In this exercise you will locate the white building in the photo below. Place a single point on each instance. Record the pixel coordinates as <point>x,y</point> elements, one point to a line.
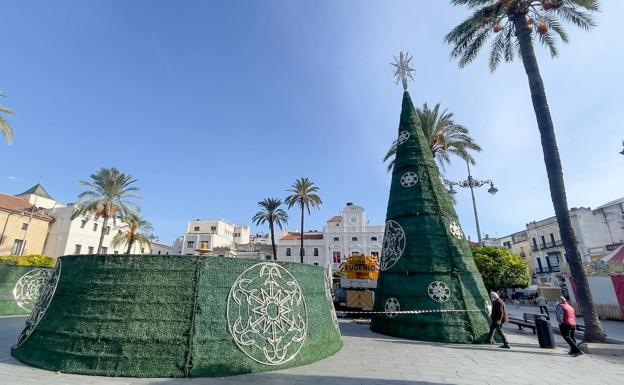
<point>160,249</point>
<point>82,235</point>
<point>350,234</point>
<point>288,246</point>
<point>343,235</point>
<point>205,235</point>
<point>597,231</point>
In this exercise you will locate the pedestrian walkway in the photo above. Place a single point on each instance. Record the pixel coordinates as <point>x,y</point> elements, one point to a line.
<point>372,359</point>
<point>614,329</point>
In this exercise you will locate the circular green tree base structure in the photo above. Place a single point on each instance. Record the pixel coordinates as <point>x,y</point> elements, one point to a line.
<point>179,316</point>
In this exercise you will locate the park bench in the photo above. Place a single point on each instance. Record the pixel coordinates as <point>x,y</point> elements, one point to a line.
<point>527,321</point>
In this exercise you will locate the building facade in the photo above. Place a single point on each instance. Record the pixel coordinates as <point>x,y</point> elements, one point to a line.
<point>24,223</point>
<point>160,249</point>
<point>208,235</point>
<point>350,234</point>
<point>82,235</point>
<point>343,235</point>
<point>598,232</point>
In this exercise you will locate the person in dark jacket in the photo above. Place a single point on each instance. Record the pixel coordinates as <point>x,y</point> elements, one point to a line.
<point>567,326</point>
<point>499,317</point>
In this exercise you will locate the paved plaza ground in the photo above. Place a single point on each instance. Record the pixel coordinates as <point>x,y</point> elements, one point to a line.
<point>368,358</point>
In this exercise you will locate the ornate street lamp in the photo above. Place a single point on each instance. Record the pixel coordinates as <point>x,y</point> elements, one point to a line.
<point>473,183</point>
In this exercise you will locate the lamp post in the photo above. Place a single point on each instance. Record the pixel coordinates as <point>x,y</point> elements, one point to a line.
<point>473,183</point>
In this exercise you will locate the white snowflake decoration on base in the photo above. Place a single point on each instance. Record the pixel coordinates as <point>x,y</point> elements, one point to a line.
<point>439,291</point>
<point>41,306</point>
<point>266,314</point>
<point>409,179</point>
<point>393,245</point>
<point>328,294</point>
<point>403,137</point>
<point>391,307</point>
<point>29,285</point>
<point>456,230</point>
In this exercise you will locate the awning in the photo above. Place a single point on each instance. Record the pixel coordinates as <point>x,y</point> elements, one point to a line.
<point>616,255</point>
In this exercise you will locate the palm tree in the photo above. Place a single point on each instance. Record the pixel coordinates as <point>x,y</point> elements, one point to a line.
<point>5,128</point>
<point>272,213</point>
<point>138,231</point>
<point>303,195</point>
<point>445,137</point>
<point>514,25</point>
<point>109,190</point>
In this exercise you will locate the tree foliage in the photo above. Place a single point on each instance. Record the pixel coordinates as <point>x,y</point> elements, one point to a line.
<point>500,268</point>
<point>495,20</point>
<point>444,137</point>
<point>138,231</point>
<point>272,214</point>
<point>107,198</point>
<point>303,195</point>
<point>5,128</point>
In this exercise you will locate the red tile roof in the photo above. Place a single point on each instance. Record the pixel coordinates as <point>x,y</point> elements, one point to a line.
<point>335,219</point>
<point>297,236</point>
<point>19,205</point>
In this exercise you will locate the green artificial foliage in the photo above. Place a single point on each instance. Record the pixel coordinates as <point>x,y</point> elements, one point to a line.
<point>178,316</point>
<point>501,269</point>
<point>11,272</point>
<point>426,264</point>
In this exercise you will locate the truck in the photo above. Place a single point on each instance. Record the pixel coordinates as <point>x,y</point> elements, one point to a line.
<point>359,280</point>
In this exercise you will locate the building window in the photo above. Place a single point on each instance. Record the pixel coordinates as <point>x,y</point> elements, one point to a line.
<point>302,252</point>
<point>552,238</point>
<point>118,231</point>
<point>354,239</point>
<point>336,239</point>
<point>83,223</point>
<point>17,247</point>
<point>316,252</point>
<point>190,243</point>
<point>142,250</point>
<point>507,245</point>
<point>373,239</point>
<point>104,250</point>
<point>213,228</point>
<point>336,256</point>
<point>116,252</point>
<point>24,226</point>
<point>77,249</point>
<point>543,241</point>
<point>95,227</point>
<point>375,253</point>
<point>158,252</point>
<point>268,257</point>
<point>288,252</point>
<point>196,228</point>
<point>107,232</point>
<point>90,250</point>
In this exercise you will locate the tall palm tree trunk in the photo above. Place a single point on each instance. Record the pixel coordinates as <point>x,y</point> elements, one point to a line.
<point>301,248</point>
<point>130,244</point>
<point>273,241</point>
<point>102,233</point>
<point>593,329</point>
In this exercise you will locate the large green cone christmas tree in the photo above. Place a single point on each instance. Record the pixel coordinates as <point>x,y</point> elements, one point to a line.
<point>426,264</point>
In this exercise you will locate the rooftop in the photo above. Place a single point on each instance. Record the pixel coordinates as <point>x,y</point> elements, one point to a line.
<point>37,190</point>
<point>297,236</point>
<point>18,205</point>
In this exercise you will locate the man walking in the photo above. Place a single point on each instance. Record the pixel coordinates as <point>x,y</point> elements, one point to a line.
<point>499,317</point>
<point>541,302</point>
<point>568,325</point>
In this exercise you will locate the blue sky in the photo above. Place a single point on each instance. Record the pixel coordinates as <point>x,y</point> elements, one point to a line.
<point>214,106</point>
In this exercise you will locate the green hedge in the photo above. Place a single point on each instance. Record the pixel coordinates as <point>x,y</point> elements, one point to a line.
<point>166,316</point>
<point>10,274</point>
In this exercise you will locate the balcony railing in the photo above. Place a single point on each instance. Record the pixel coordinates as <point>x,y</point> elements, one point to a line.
<point>546,270</point>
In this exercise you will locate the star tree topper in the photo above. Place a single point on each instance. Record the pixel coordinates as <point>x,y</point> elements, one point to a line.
<point>403,71</point>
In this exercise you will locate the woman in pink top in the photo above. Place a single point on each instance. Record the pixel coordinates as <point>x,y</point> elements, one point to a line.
<point>568,325</point>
